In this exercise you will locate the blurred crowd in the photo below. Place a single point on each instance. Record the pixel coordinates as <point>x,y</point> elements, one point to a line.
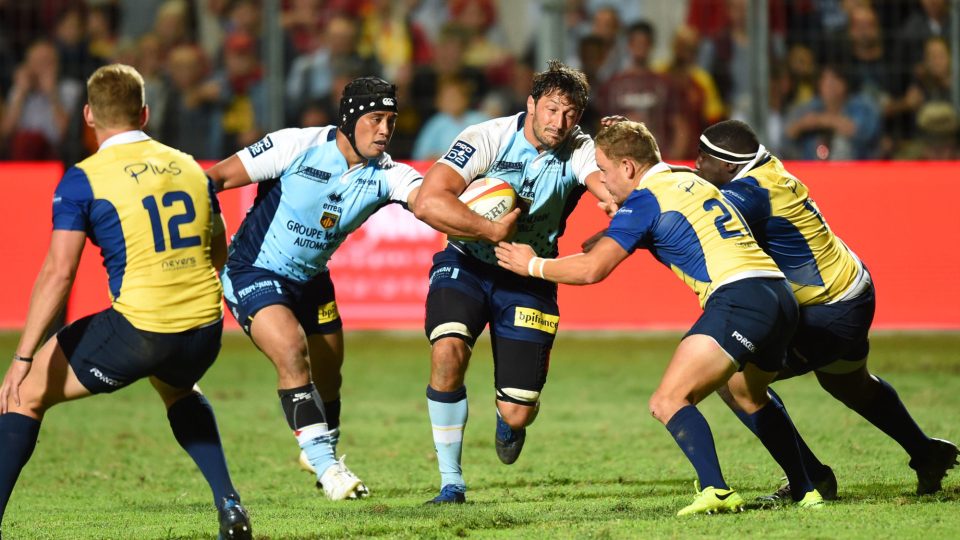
<point>849,79</point>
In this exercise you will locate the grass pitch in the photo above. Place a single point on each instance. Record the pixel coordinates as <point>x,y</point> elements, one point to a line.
<point>596,465</point>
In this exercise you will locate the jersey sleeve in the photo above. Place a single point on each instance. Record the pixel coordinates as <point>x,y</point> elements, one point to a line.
<point>584,160</point>
<point>402,180</point>
<point>214,201</point>
<point>632,225</point>
<point>71,201</point>
<point>473,152</point>
<point>750,200</point>
<point>267,158</point>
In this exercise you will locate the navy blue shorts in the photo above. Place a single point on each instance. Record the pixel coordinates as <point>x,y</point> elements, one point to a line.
<point>107,352</point>
<point>248,289</point>
<point>753,320</point>
<point>466,295</point>
<point>833,333</point>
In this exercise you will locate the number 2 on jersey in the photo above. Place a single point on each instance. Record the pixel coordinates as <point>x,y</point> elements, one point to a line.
<point>721,222</point>
<point>173,224</point>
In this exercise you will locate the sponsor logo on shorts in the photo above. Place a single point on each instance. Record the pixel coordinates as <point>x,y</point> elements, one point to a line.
<point>328,313</point>
<point>744,341</point>
<point>460,153</point>
<point>536,319</point>
<point>311,173</point>
<point>443,272</point>
<point>260,146</point>
<point>258,287</point>
<point>99,374</point>
<point>329,219</point>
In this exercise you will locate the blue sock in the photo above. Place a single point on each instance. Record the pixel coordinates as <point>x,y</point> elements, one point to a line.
<point>888,413</point>
<point>692,433</point>
<point>195,427</point>
<point>306,417</point>
<point>448,415</point>
<point>18,437</point>
<point>777,433</point>
<point>816,470</point>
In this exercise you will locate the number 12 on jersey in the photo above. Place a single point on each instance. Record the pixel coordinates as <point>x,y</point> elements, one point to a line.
<point>173,224</point>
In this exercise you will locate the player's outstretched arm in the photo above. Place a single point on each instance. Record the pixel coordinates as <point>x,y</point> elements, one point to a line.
<point>579,269</point>
<point>437,205</point>
<point>49,295</point>
<point>229,173</point>
<point>594,183</point>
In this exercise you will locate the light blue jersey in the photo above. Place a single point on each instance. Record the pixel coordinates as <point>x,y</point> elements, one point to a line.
<point>309,200</point>
<point>550,183</point>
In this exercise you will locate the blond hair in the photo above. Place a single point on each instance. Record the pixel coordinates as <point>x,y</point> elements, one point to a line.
<point>116,96</point>
<point>631,140</point>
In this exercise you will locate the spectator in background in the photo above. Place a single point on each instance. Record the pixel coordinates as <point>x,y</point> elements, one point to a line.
<point>149,61</point>
<point>389,36</point>
<point>801,76</point>
<point>931,20</point>
<point>172,26</point>
<point>478,19</point>
<point>726,54</point>
<point>311,75</point>
<point>102,30</point>
<point>449,60</point>
<point>642,95</point>
<point>39,106</point>
<point>937,127</point>
<point>453,116</point>
<point>591,53</point>
<point>137,17</point>
<point>193,117</point>
<point>242,96</point>
<point>700,102</point>
<point>606,25</point>
<point>838,124</point>
<point>73,48</point>
<point>931,82</point>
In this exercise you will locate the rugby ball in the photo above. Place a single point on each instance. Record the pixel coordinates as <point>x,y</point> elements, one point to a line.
<point>492,198</point>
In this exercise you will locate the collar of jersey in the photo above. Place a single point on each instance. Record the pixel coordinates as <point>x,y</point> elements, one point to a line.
<point>656,169</point>
<point>126,137</point>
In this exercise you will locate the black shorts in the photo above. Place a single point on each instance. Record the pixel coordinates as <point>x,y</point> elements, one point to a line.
<point>248,289</point>
<point>467,294</point>
<point>107,353</point>
<point>833,337</point>
<point>753,320</point>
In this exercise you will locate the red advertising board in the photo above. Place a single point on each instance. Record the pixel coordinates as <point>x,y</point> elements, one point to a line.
<point>899,217</point>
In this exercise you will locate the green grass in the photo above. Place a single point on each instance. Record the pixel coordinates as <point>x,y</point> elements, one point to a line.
<point>596,464</point>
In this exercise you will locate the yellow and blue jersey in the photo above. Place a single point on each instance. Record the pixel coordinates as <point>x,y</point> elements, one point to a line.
<point>149,208</point>
<point>687,225</point>
<point>789,227</point>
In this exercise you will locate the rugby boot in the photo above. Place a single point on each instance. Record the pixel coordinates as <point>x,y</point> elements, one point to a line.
<point>811,500</point>
<point>712,501</point>
<point>941,457</point>
<point>450,494</point>
<point>339,483</point>
<point>826,486</point>
<point>509,442</point>
<point>234,521</point>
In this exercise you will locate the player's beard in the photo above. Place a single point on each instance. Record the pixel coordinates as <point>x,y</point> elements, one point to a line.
<point>541,134</point>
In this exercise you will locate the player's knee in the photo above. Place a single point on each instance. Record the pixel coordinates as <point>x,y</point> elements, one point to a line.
<point>663,406</point>
<point>449,358</point>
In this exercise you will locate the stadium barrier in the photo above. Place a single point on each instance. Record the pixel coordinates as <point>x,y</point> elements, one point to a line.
<point>901,218</point>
